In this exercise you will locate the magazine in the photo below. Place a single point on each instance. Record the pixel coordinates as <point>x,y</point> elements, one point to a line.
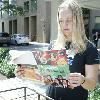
<point>52,66</point>
<point>49,66</point>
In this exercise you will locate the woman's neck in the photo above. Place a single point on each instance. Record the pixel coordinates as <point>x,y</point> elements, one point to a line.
<point>67,45</point>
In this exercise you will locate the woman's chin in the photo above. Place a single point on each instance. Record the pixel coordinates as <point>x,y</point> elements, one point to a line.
<point>68,40</point>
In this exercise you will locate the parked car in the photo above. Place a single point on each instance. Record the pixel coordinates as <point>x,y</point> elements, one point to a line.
<point>4,38</point>
<point>20,39</point>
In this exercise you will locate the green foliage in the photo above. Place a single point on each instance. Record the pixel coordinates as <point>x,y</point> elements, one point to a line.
<point>3,54</point>
<point>11,8</point>
<point>5,68</point>
<point>95,94</point>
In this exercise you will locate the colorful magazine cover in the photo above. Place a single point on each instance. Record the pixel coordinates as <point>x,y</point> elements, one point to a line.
<point>52,67</point>
<point>51,57</point>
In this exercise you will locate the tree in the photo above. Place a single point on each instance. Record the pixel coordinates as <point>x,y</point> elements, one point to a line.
<point>11,8</point>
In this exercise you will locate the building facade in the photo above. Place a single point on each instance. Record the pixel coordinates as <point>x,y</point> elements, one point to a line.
<point>40,20</point>
<point>35,22</point>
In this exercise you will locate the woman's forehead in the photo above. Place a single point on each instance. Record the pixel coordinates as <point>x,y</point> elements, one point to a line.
<point>65,13</point>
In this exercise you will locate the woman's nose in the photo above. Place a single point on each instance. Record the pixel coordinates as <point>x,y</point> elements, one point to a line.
<point>65,24</point>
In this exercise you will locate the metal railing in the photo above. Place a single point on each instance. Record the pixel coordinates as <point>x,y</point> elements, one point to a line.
<point>25,96</point>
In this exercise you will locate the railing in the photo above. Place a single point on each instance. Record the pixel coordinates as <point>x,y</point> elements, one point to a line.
<point>25,96</point>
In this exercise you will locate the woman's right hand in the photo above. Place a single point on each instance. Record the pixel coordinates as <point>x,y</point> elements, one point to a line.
<point>20,71</point>
<point>23,71</point>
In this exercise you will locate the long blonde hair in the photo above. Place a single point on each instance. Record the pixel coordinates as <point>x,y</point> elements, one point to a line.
<point>79,38</point>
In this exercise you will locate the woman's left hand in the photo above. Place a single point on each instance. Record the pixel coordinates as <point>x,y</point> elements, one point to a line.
<point>75,79</point>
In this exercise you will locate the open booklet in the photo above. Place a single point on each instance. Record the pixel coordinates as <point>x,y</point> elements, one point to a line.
<point>52,66</point>
<point>49,67</point>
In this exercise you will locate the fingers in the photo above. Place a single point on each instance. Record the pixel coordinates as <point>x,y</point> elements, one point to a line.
<point>20,71</point>
<point>75,79</point>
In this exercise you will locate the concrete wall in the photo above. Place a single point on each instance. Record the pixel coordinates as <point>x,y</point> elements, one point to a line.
<point>32,28</point>
<point>54,6</point>
<point>48,21</point>
<point>41,18</point>
<point>6,26</point>
<point>20,24</point>
<point>54,27</point>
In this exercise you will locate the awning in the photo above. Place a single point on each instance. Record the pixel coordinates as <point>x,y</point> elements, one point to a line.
<point>91,4</point>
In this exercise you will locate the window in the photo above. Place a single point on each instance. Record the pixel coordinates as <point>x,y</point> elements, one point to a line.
<point>97,26</point>
<point>26,6</point>
<point>97,22</point>
<point>33,5</point>
<point>97,19</point>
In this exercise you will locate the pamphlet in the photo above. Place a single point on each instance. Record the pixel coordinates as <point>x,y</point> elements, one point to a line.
<point>52,66</point>
<point>49,66</point>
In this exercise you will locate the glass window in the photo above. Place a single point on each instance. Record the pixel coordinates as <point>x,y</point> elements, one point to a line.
<point>26,6</point>
<point>97,19</point>
<point>33,5</point>
<point>97,26</point>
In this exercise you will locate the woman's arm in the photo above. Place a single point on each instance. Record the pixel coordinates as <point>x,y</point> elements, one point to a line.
<point>88,81</point>
<point>91,76</point>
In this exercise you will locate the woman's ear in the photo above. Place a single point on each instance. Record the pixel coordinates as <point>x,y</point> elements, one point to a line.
<point>58,14</point>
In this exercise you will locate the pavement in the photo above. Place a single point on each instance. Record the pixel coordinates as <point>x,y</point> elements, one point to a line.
<point>21,89</point>
<point>2,77</point>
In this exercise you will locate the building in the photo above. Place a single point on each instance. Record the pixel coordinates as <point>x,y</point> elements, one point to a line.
<point>40,21</point>
<point>35,22</point>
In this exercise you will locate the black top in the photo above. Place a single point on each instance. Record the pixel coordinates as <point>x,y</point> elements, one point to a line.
<point>76,64</point>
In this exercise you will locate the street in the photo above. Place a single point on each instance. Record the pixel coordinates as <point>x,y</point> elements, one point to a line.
<point>30,47</point>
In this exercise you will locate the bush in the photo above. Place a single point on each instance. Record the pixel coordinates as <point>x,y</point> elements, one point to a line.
<point>95,94</point>
<point>5,68</point>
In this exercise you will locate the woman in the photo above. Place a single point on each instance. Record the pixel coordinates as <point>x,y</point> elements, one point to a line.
<point>84,64</point>
<point>83,55</point>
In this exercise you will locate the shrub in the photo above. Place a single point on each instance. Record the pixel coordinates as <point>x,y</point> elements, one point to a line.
<point>95,94</point>
<point>5,68</point>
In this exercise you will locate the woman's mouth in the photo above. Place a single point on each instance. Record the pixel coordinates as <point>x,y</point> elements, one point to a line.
<point>66,29</point>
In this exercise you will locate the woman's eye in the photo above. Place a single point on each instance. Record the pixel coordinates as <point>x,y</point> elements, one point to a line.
<point>60,21</point>
<point>69,21</point>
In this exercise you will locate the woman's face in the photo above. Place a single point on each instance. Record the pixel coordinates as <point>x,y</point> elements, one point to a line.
<point>65,21</point>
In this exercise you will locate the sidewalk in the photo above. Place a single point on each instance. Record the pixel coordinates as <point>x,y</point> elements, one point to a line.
<point>2,77</point>
<point>14,89</point>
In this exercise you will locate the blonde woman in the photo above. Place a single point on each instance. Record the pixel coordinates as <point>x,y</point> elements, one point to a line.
<point>84,62</point>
